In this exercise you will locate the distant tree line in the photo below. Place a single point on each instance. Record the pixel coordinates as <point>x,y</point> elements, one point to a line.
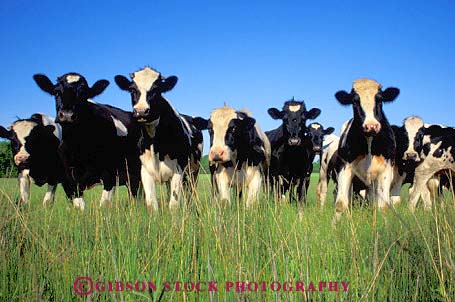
<point>7,167</point>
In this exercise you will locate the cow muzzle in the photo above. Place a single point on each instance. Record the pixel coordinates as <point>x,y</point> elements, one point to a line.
<point>218,155</point>
<point>371,128</point>
<point>141,115</point>
<point>64,116</point>
<point>294,141</point>
<point>20,159</point>
<point>411,156</point>
<point>317,149</point>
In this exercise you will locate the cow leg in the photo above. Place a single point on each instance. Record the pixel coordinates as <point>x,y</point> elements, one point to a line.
<point>176,190</point>
<point>254,185</point>
<point>108,188</point>
<point>149,189</point>
<point>396,187</point>
<point>322,187</point>
<point>419,188</point>
<point>24,186</point>
<point>383,187</point>
<point>50,195</point>
<point>344,187</point>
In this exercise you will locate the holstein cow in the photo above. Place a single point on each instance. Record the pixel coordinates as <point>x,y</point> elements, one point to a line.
<point>438,153</point>
<point>367,146</point>
<point>35,142</point>
<point>292,150</point>
<point>170,146</point>
<point>98,141</point>
<point>239,152</point>
<point>316,133</point>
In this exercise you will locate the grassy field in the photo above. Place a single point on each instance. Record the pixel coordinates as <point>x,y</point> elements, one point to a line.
<point>391,256</point>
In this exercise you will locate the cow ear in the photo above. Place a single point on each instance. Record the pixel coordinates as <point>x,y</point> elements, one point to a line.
<point>4,133</point>
<point>343,97</point>
<point>50,128</point>
<point>329,131</point>
<point>98,88</point>
<point>313,113</point>
<point>122,82</point>
<point>168,83</point>
<point>390,94</point>
<point>248,122</point>
<point>275,113</point>
<point>200,123</point>
<point>44,83</point>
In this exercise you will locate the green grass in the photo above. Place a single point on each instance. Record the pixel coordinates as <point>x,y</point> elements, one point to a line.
<point>391,256</point>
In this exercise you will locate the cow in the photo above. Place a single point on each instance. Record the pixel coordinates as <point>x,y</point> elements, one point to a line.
<point>367,146</point>
<point>292,157</point>
<point>35,142</point>
<point>99,142</point>
<point>438,154</point>
<point>170,145</point>
<point>316,133</point>
<point>239,152</point>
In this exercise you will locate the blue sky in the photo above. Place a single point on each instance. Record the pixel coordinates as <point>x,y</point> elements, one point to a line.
<point>249,54</point>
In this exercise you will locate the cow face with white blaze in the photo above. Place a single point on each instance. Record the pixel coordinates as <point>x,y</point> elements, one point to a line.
<point>228,130</point>
<point>367,98</point>
<point>71,92</point>
<point>410,139</point>
<point>23,135</point>
<point>146,85</point>
<point>294,116</point>
<point>316,132</point>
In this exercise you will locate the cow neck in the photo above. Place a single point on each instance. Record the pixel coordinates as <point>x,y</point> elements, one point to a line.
<point>250,152</point>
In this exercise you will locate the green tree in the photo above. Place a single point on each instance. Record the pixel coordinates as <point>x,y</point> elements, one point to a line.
<point>7,167</point>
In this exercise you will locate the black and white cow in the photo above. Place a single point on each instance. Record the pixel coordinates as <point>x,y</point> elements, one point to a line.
<point>367,146</point>
<point>316,133</point>
<point>99,142</point>
<point>170,146</point>
<point>239,152</point>
<point>35,142</point>
<point>292,157</point>
<point>438,154</point>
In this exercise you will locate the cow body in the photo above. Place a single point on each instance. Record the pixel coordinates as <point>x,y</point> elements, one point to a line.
<point>292,150</point>
<point>367,145</point>
<point>170,146</point>
<point>438,154</point>
<point>98,141</point>
<point>35,143</point>
<point>239,152</point>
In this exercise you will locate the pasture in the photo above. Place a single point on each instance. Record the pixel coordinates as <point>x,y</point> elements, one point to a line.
<point>385,256</point>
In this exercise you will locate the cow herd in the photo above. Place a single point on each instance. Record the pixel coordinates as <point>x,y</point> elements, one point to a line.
<point>90,143</point>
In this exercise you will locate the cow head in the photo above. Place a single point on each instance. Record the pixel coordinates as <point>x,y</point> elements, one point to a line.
<point>71,92</point>
<point>294,116</point>
<point>316,133</point>
<point>229,130</point>
<point>146,85</point>
<point>367,97</point>
<point>25,137</point>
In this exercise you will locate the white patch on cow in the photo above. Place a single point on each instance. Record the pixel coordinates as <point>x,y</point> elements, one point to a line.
<point>48,120</point>
<point>294,108</point>
<point>315,126</point>
<point>253,181</point>
<point>144,80</point>
<point>220,119</point>
<point>200,147</point>
<point>24,186</point>
<point>79,203</point>
<point>329,147</point>
<point>48,199</point>
<point>345,131</point>
<point>412,125</point>
<point>22,130</point>
<point>72,78</point>
<point>106,197</point>
<point>120,127</point>
<point>367,90</point>
<point>91,101</point>
<point>153,170</point>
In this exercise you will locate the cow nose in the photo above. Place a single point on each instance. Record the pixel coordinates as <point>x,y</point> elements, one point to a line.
<point>20,159</point>
<point>140,113</point>
<point>317,149</point>
<point>372,127</point>
<point>65,116</point>
<point>294,141</point>
<point>411,156</point>
<point>216,155</point>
